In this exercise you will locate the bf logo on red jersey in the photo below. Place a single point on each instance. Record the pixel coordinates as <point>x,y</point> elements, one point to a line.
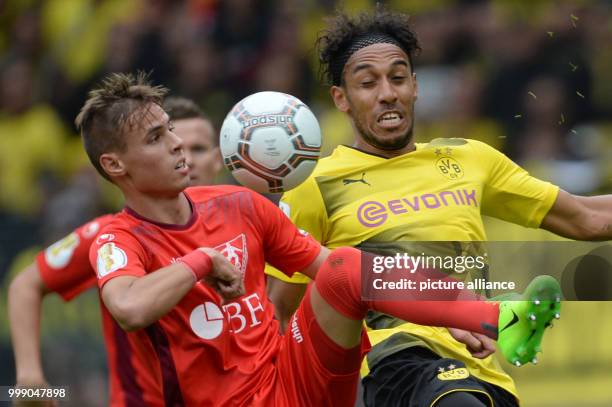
<point>207,320</point>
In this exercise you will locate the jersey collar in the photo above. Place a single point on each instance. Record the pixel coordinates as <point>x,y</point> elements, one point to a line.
<point>169,226</point>
<point>343,148</point>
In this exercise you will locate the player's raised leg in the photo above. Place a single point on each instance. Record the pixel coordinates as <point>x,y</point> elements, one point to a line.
<point>338,306</point>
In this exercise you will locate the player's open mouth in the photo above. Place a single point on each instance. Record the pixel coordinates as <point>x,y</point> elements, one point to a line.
<point>390,119</point>
<point>182,166</point>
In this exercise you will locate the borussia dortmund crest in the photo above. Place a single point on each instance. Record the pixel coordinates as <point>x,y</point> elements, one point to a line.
<point>450,168</point>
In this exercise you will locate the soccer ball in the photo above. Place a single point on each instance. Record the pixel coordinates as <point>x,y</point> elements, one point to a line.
<point>270,142</point>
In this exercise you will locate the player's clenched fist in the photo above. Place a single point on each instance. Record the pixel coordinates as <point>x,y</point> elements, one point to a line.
<point>226,279</point>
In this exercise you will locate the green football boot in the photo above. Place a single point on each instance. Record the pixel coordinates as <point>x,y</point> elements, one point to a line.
<point>524,318</point>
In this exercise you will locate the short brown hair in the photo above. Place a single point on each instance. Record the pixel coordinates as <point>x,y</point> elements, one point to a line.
<point>109,108</point>
<point>182,108</point>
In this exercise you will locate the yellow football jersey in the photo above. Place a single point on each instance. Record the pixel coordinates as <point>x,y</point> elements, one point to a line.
<point>438,192</point>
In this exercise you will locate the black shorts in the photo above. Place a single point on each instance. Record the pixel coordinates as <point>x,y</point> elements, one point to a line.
<point>417,377</point>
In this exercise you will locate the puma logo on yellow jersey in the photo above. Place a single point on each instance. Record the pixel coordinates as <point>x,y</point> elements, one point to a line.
<point>347,181</point>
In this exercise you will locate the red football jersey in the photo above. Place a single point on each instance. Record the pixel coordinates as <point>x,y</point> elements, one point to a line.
<point>210,352</point>
<point>64,266</point>
<point>65,269</point>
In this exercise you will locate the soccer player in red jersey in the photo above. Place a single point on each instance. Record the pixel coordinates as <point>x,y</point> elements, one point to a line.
<point>64,268</point>
<point>182,272</point>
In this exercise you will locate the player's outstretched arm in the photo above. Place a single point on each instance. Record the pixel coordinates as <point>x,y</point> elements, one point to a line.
<point>580,217</point>
<point>137,302</point>
<point>25,297</point>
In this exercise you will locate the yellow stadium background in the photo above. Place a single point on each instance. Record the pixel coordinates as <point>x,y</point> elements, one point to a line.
<point>531,78</point>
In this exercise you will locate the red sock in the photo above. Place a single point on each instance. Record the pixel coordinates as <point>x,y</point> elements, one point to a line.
<point>334,357</point>
<point>339,283</point>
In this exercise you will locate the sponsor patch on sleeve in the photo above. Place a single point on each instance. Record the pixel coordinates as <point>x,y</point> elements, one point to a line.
<point>58,255</point>
<point>110,258</point>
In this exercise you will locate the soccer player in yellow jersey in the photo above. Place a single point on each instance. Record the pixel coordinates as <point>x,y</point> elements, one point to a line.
<point>386,189</point>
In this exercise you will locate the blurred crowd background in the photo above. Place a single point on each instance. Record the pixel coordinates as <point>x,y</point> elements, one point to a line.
<point>531,78</point>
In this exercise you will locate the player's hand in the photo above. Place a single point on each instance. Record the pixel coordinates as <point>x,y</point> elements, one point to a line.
<point>226,279</point>
<point>479,345</point>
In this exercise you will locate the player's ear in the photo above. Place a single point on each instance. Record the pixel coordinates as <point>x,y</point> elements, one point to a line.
<point>339,97</point>
<point>416,86</point>
<point>112,165</point>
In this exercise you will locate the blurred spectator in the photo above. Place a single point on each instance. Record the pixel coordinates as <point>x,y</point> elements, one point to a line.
<point>32,140</point>
<point>76,32</point>
<point>77,203</point>
<point>240,32</point>
<point>545,117</point>
<point>455,108</point>
<point>282,54</point>
<point>25,37</point>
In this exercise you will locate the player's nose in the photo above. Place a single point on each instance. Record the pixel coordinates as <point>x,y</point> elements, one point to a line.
<point>387,92</point>
<point>176,143</point>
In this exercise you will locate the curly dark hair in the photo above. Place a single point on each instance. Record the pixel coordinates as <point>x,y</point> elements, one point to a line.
<point>342,30</point>
<point>108,109</point>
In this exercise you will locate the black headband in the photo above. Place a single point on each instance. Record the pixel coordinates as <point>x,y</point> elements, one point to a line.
<point>337,65</point>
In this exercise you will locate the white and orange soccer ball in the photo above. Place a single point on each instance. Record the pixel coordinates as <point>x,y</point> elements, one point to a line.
<point>270,142</point>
